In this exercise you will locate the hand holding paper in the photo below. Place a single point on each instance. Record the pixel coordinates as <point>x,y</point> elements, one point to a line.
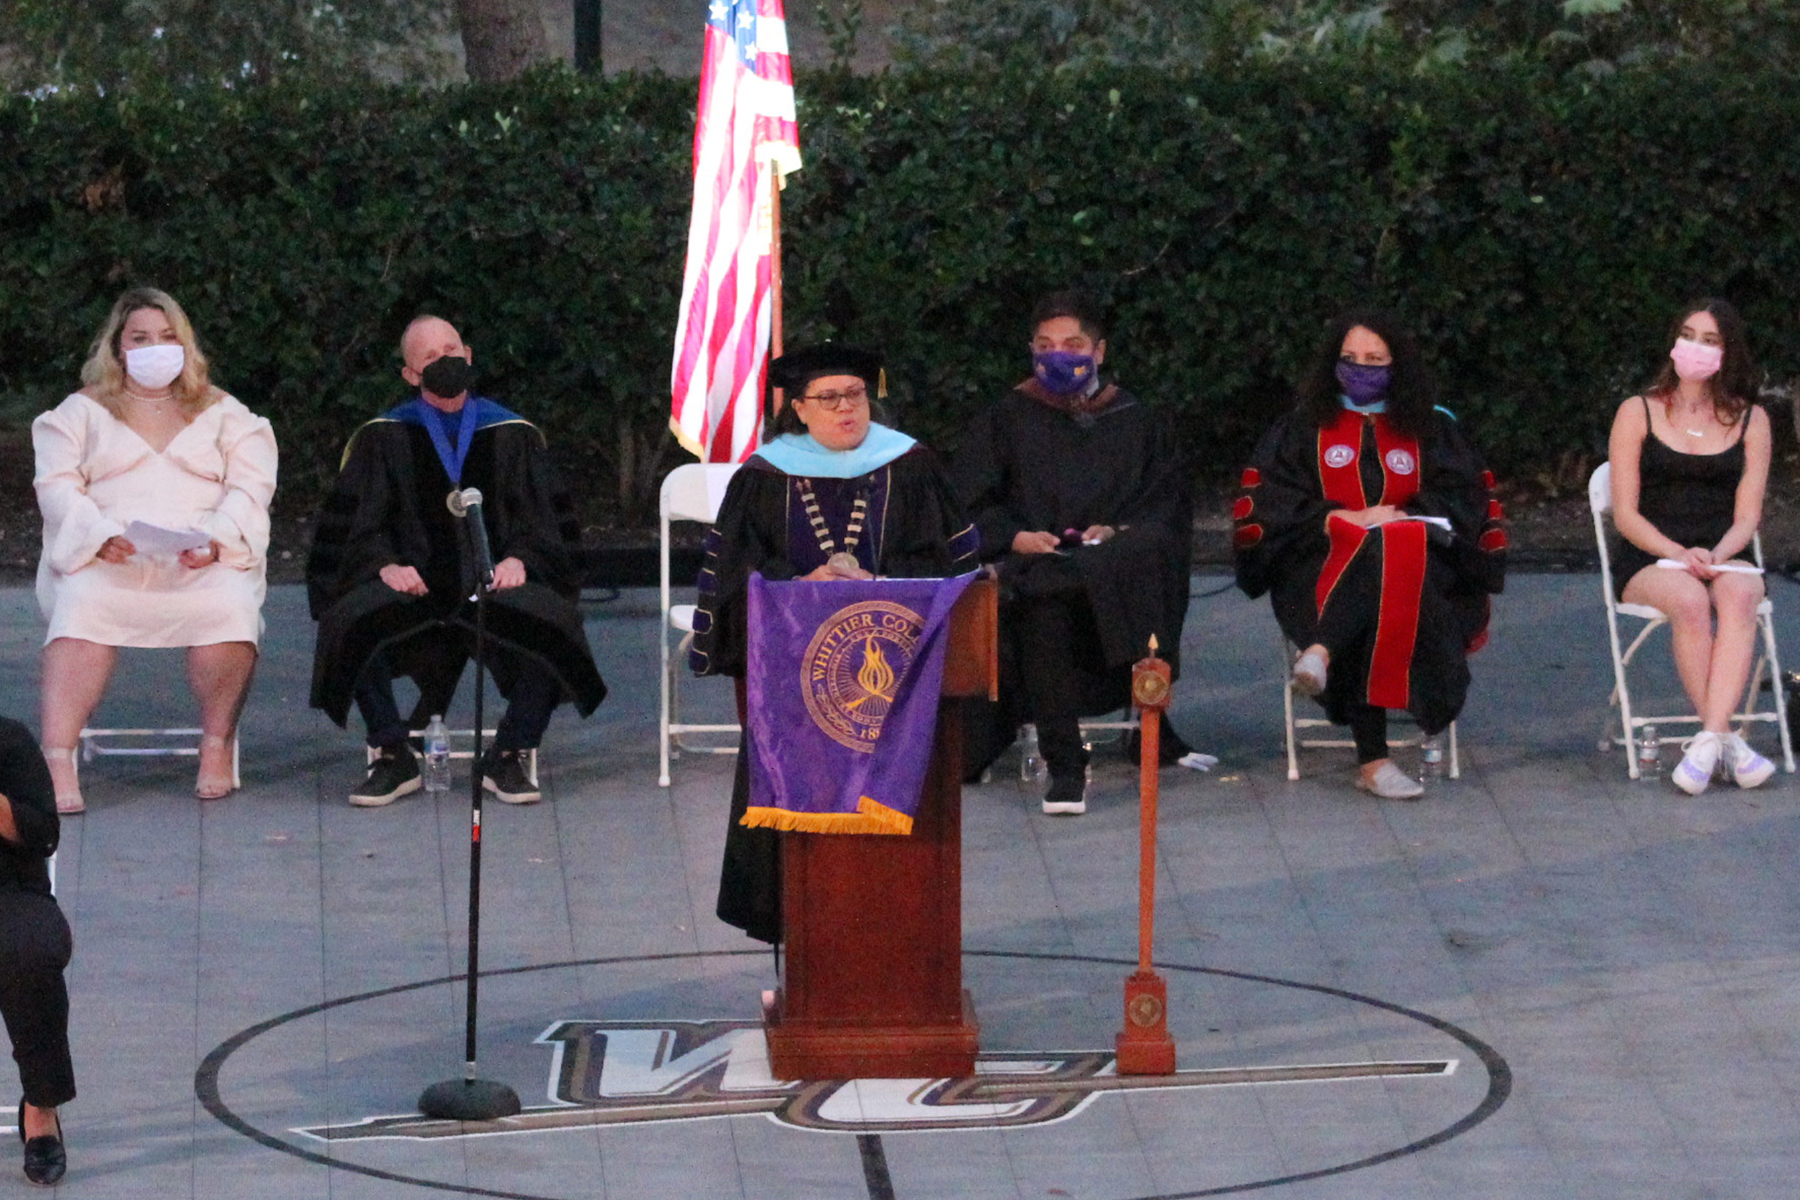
<point>1741,568</point>
<point>157,539</point>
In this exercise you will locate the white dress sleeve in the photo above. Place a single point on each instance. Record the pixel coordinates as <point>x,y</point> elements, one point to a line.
<point>240,521</point>
<point>74,527</point>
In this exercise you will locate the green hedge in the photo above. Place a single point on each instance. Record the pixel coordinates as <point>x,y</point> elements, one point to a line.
<point>1537,231</point>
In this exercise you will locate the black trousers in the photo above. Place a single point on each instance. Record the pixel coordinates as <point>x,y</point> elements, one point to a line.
<point>1052,633</point>
<point>34,948</point>
<point>531,698</point>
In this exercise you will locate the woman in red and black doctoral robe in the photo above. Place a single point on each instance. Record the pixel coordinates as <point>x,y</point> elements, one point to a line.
<point>1369,518</point>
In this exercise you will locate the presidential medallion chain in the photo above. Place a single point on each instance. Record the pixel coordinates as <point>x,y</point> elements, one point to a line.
<point>852,531</point>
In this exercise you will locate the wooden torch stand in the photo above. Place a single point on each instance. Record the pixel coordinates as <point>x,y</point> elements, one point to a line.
<point>1144,1046</point>
<point>871,982</point>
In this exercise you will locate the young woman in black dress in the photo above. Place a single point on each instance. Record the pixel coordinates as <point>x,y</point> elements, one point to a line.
<point>1690,463</point>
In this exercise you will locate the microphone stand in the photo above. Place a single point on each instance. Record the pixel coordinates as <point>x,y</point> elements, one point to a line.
<point>470,1098</point>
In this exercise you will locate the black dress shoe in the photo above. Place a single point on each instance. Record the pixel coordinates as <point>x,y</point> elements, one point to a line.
<point>45,1158</point>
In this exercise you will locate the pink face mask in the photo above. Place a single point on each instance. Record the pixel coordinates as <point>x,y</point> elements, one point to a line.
<point>1696,361</point>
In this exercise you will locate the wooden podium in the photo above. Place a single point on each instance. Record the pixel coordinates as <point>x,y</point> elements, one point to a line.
<point>871,984</point>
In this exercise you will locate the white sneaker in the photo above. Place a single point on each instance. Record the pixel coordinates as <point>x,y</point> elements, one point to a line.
<point>1701,758</point>
<point>1746,767</point>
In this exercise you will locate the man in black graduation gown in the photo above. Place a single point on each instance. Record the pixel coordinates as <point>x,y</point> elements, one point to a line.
<point>392,572</point>
<point>1080,493</point>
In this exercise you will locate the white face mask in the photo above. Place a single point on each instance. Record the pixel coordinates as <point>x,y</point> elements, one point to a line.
<point>155,367</point>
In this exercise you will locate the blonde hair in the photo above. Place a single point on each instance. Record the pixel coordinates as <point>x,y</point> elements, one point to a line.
<point>103,374</point>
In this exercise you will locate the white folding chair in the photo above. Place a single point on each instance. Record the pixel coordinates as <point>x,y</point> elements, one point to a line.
<point>1295,740</point>
<point>692,492</point>
<point>106,743</point>
<point>1619,714</point>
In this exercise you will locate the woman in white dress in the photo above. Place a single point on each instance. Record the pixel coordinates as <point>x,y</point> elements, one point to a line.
<point>148,439</point>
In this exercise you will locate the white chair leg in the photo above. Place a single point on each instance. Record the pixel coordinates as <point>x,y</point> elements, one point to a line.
<point>1287,708</point>
<point>1776,687</point>
<point>662,729</point>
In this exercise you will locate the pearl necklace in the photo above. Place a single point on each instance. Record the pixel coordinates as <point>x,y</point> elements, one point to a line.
<point>141,398</point>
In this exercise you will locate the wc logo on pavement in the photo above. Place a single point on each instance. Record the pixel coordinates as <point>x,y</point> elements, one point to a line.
<point>643,1072</point>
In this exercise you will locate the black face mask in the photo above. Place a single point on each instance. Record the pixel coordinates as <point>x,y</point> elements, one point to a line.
<point>447,377</point>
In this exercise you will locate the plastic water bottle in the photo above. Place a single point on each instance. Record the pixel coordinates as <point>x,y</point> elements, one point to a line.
<point>437,756</point>
<point>1032,767</point>
<point>1649,753</point>
<point>1431,759</point>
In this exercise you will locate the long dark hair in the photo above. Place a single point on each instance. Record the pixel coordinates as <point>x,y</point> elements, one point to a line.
<point>1735,386</point>
<point>1412,392</point>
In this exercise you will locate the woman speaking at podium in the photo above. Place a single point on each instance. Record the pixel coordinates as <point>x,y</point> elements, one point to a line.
<point>831,495</point>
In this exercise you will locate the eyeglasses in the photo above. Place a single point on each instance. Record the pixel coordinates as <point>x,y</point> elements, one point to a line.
<point>850,398</point>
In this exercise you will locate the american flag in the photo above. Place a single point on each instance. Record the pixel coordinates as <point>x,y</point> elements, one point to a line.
<point>745,135</point>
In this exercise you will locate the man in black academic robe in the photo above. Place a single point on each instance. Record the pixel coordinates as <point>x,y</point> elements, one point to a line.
<point>1080,493</point>
<point>392,572</point>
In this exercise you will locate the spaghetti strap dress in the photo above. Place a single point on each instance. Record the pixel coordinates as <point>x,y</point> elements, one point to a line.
<point>1690,498</point>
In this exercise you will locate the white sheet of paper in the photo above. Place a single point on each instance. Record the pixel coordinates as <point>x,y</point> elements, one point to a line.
<point>155,539</point>
<point>1742,568</point>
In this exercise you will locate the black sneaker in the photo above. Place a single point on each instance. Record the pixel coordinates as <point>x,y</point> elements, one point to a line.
<point>393,774</point>
<point>505,776</point>
<point>1067,796</point>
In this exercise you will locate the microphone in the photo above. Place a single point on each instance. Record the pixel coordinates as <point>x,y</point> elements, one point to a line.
<point>467,505</point>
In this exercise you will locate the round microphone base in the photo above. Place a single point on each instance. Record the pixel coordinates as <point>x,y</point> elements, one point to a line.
<point>469,1100</point>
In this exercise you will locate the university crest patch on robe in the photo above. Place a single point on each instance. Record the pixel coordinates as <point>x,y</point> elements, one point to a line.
<point>843,686</point>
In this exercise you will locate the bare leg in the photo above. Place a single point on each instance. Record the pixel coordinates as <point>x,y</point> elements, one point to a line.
<point>41,1122</point>
<point>220,678</point>
<point>1735,598</point>
<point>1688,605</point>
<point>75,677</point>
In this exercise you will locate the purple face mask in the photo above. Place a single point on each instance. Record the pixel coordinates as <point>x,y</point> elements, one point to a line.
<point>1062,372</point>
<point>1363,384</point>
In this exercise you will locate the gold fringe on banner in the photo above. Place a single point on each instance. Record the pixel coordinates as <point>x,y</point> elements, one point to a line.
<point>871,816</point>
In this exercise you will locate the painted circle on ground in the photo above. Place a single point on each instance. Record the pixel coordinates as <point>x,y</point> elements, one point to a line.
<point>207,1091</point>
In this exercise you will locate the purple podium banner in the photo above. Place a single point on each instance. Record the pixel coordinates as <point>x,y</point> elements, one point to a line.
<point>842,698</point>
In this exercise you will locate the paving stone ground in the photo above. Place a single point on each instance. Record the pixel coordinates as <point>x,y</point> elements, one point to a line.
<point>1610,970</point>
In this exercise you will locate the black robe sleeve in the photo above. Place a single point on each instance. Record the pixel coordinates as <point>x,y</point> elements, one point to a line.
<point>981,472</point>
<point>25,782</point>
<point>1281,507</point>
<point>749,535</point>
<point>927,536</point>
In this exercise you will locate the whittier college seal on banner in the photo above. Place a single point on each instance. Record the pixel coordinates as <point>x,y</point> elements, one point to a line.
<point>852,667</point>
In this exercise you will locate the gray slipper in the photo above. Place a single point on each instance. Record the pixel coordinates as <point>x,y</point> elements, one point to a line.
<point>1391,783</point>
<point>1309,674</point>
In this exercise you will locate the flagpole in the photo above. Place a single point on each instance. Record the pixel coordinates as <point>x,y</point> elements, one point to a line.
<point>775,342</point>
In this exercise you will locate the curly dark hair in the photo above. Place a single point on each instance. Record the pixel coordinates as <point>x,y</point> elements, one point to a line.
<point>1412,391</point>
<point>1735,386</point>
